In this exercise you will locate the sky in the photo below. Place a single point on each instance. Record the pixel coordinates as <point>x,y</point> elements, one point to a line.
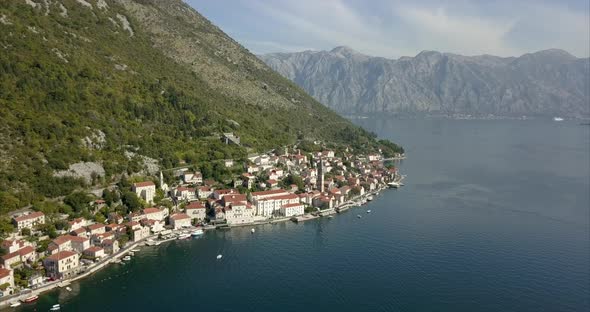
<point>404,28</point>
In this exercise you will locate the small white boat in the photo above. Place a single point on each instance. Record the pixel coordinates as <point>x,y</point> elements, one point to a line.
<point>557,119</point>
<point>253,231</point>
<point>393,184</point>
<point>131,253</point>
<point>68,288</point>
<point>15,304</point>
<point>197,232</point>
<point>369,211</point>
<point>135,250</point>
<point>369,198</point>
<point>359,216</point>
<point>219,257</point>
<point>126,258</point>
<point>184,236</point>
<point>55,308</point>
<point>157,243</point>
<point>330,217</point>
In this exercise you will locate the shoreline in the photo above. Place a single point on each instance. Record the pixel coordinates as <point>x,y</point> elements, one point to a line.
<point>357,201</point>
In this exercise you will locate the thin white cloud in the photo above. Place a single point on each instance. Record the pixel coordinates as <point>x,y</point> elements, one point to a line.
<point>393,28</point>
<point>331,22</point>
<point>435,28</point>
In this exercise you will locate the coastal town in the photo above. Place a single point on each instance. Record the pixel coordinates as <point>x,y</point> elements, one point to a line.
<point>280,185</point>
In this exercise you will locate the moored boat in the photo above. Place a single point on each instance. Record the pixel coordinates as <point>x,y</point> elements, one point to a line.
<point>219,257</point>
<point>184,236</point>
<point>15,304</point>
<point>197,232</point>
<point>393,184</point>
<point>126,258</point>
<point>30,299</point>
<point>253,231</point>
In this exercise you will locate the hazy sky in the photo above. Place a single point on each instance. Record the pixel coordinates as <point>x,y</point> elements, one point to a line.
<point>397,28</point>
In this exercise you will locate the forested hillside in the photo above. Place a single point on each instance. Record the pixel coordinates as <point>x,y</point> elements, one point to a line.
<point>108,83</point>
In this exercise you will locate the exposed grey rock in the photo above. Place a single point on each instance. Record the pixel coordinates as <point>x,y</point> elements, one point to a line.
<point>550,82</point>
<point>82,170</point>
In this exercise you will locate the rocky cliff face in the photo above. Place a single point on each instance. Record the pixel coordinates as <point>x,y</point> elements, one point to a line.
<point>550,82</point>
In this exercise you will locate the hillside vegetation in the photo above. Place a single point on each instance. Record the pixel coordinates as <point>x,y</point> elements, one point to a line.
<point>108,83</point>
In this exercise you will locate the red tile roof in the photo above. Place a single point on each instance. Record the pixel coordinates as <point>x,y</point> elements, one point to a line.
<point>31,215</point>
<point>195,205</point>
<point>144,184</point>
<point>61,255</point>
<point>292,205</point>
<point>4,272</point>
<point>151,210</point>
<point>179,216</point>
<point>93,249</point>
<point>96,226</point>
<point>25,251</point>
<point>271,192</point>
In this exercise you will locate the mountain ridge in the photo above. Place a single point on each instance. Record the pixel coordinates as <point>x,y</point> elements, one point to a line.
<point>547,82</point>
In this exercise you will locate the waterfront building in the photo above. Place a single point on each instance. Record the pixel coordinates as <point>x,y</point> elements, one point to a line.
<point>239,213</point>
<point>94,252</point>
<point>154,214</point>
<point>110,246</point>
<point>294,209</point>
<point>63,264</point>
<point>180,220</point>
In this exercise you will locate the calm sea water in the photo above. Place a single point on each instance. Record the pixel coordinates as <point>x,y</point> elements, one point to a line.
<point>494,217</point>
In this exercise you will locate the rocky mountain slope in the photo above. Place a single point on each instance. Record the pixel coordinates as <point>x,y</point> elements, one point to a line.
<point>127,86</point>
<point>550,82</point>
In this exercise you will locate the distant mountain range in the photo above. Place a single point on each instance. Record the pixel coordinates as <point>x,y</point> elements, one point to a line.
<point>550,82</point>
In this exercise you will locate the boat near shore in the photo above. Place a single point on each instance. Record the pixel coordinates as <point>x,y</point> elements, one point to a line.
<point>30,299</point>
<point>184,236</point>
<point>197,232</point>
<point>15,304</point>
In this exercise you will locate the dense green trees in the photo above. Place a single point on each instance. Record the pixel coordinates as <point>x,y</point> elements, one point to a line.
<point>59,91</point>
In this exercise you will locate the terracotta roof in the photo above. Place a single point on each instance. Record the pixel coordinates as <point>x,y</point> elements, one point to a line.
<point>292,205</point>
<point>25,251</point>
<point>11,255</point>
<point>179,216</point>
<point>31,215</point>
<point>151,210</point>
<point>281,197</point>
<point>96,226</point>
<point>93,249</point>
<point>4,272</point>
<point>144,184</point>
<point>61,255</point>
<point>78,239</point>
<point>262,193</point>
<point>226,191</point>
<point>195,205</point>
